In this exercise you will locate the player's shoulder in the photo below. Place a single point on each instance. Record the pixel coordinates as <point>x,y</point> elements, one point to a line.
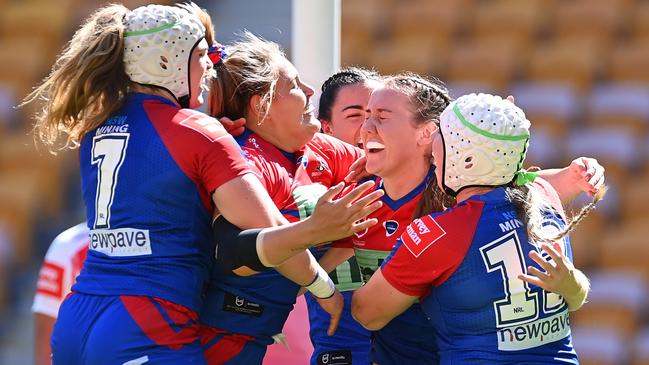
<point>68,243</point>
<point>444,227</point>
<point>321,140</point>
<point>193,121</point>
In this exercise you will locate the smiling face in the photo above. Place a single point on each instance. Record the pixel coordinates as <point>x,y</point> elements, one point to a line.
<point>290,116</point>
<point>348,113</point>
<point>200,71</point>
<point>393,143</point>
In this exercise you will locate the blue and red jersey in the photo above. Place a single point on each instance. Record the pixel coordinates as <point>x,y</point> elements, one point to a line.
<point>147,176</point>
<point>464,264</point>
<point>258,305</point>
<point>408,337</point>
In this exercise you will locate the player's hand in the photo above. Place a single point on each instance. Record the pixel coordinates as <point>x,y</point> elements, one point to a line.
<point>587,174</point>
<point>234,127</point>
<point>333,306</point>
<point>335,218</point>
<point>357,170</point>
<point>558,275</point>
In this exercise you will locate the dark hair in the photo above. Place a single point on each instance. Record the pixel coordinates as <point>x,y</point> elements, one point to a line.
<point>342,78</point>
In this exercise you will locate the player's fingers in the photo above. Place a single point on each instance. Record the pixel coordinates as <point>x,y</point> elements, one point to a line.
<point>333,323</point>
<point>532,280</point>
<point>332,192</point>
<point>531,270</point>
<point>541,261</point>
<point>357,192</point>
<point>555,255</point>
<point>367,199</point>
<point>365,224</point>
<point>367,211</point>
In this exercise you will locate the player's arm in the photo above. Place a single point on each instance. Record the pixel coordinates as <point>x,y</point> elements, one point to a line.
<point>582,175</point>
<point>334,257</point>
<point>262,248</point>
<point>43,326</point>
<point>378,302</point>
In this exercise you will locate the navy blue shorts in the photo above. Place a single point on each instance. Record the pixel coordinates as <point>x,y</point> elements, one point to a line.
<point>225,348</point>
<point>350,345</point>
<point>408,339</point>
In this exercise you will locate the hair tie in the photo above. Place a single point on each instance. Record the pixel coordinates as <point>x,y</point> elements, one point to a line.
<point>217,53</point>
<point>523,177</point>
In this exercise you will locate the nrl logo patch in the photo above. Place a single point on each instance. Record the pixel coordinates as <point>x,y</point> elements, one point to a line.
<point>390,227</point>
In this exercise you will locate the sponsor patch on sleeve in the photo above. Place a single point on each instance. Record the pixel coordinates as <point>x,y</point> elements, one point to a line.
<point>208,127</point>
<point>421,234</point>
<point>50,280</point>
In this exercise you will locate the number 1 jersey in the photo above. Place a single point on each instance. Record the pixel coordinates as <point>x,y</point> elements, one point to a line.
<point>464,264</point>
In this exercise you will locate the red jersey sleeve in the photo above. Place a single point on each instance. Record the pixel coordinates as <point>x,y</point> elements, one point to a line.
<point>340,155</point>
<point>199,144</point>
<point>431,249</point>
<point>219,156</point>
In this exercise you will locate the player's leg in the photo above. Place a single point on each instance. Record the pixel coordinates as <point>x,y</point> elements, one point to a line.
<point>224,348</point>
<point>77,315</point>
<point>139,330</point>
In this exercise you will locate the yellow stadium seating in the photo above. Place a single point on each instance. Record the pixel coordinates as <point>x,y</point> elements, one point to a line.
<point>494,63</point>
<point>439,17</point>
<point>19,197</point>
<point>602,20</point>
<point>574,62</point>
<point>640,16</point>
<point>625,248</point>
<point>629,62</point>
<point>518,21</point>
<point>423,54</point>
<point>19,156</point>
<point>46,20</point>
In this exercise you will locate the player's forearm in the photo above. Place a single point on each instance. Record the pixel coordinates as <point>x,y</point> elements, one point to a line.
<point>334,257</point>
<point>562,181</point>
<point>300,269</point>
<point>278,244</point>
<point>576,293</point>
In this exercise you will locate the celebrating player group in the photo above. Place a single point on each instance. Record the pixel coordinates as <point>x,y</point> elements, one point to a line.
<point>404,217</point>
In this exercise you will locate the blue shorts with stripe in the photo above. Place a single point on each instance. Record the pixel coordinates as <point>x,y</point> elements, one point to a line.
<point>129,330</point>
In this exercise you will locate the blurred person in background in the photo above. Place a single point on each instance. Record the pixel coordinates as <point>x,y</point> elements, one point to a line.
<point>296,165</point>
<point>120,91</point>
<point>466,266</point>
<point>396,138</point>
<point>62,264</point>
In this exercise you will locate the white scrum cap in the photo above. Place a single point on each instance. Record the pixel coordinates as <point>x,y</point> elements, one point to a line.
<point>485,141</point>
<point>158,43</point>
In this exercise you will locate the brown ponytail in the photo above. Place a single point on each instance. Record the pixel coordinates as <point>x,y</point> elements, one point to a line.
<point>87,83</point>
<point>433,199</point>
